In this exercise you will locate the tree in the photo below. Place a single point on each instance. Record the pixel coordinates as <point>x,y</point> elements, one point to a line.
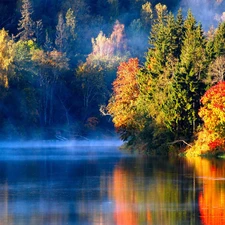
<point>65,33</point>
<point>7,55</point>
<point>188,85</point>
<point>158,72</point>
<point>212,112</point>
<point>219,40</point>
<point>216,71</point>
<point>122,105</point>
<point>71,23</point>
<point>39,32</point>
<point>109,50</point>
<point>147,15</point>
<point>26,24</point>
<point>213,115</point>
<point>90,82</point>
<point>61,36</point>
<point>49,67</point>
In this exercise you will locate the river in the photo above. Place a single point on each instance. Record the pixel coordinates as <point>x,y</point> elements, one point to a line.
<point>98,184</point>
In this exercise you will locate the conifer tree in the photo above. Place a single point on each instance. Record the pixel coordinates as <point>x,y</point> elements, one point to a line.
<point>156,75</point>
<point>65,32</point>
<point>39,32</point>
<point>26,24</point>
<point>71,23</point>
<point>61,36</point>
<point>219,40</point>
<point>188,84</point>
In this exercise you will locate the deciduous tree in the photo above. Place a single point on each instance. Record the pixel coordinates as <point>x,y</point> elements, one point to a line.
<point>7,54</point>
<point>122,105</point>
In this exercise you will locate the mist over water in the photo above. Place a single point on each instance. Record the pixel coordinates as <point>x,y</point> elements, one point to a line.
<point>59,150</point>
<point>60,144</point>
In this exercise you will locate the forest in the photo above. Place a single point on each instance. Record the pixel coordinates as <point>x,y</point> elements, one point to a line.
<point>77,69</point>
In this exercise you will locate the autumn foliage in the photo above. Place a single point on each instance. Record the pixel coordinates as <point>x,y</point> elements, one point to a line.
<point>212,137</point>
<point>213,114</point>
<point>212,194</point>
<point>108,48</point>
<point>122,105</point>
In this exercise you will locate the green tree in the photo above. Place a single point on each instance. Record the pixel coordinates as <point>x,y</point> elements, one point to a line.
<point>188,85</point>
<point>160,60</point>
<point>219,40</point>
<point>65,34</point>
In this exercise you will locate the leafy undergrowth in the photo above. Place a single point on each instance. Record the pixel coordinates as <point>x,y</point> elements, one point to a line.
<point>207,145</point>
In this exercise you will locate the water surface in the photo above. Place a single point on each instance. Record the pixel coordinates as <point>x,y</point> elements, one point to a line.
<point>97,184</point>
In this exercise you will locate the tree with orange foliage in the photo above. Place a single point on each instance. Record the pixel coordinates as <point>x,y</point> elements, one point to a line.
<point>213,115</point>
<point>122,105</point>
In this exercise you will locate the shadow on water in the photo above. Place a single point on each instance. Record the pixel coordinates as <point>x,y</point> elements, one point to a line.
<point>100,185</point>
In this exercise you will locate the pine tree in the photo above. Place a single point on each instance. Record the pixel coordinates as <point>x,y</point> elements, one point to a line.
<point>219,40</point>
<point>61,36</point>
<point>188,84</point>
<point>26,24</point>
<point>71,23</point>
<point>156,75</point>
<point>65,32</point>
<point>39,32</point>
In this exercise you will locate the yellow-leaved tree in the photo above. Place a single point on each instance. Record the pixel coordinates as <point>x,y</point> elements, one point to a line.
<point>212,137</point>
<point>6,56</point>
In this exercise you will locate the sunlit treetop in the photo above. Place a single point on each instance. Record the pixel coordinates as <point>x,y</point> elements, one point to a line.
<point>110,49</point>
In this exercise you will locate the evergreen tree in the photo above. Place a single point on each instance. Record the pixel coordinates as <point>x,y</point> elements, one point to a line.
<point>219,40</point>
<point>157,74</point>
<point>61,36</point>
<point>147,15</point>
<point>26,24</point>
<point>188,84</point>
<point>39,32</point>
<point>65,33</point>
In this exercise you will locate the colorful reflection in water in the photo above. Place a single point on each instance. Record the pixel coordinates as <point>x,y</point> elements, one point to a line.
<point>94,186</point>
<point>211,174</point>
<point>153,192</point>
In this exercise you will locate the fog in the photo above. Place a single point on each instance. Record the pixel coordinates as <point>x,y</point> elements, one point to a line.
<point>44,151</point>
<point>205,11</point>
<point>59,144</point>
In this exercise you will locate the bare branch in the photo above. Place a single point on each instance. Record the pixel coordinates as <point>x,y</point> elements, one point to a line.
<point>104,111</point>
<point>177,141</point>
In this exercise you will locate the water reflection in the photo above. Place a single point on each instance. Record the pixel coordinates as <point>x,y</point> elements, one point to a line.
<point>53,186</point>
<point>103,186</point>
<point>153,192</point>
<point>211,174</point>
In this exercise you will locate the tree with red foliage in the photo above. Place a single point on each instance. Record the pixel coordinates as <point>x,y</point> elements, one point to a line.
<point>213,114</point>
